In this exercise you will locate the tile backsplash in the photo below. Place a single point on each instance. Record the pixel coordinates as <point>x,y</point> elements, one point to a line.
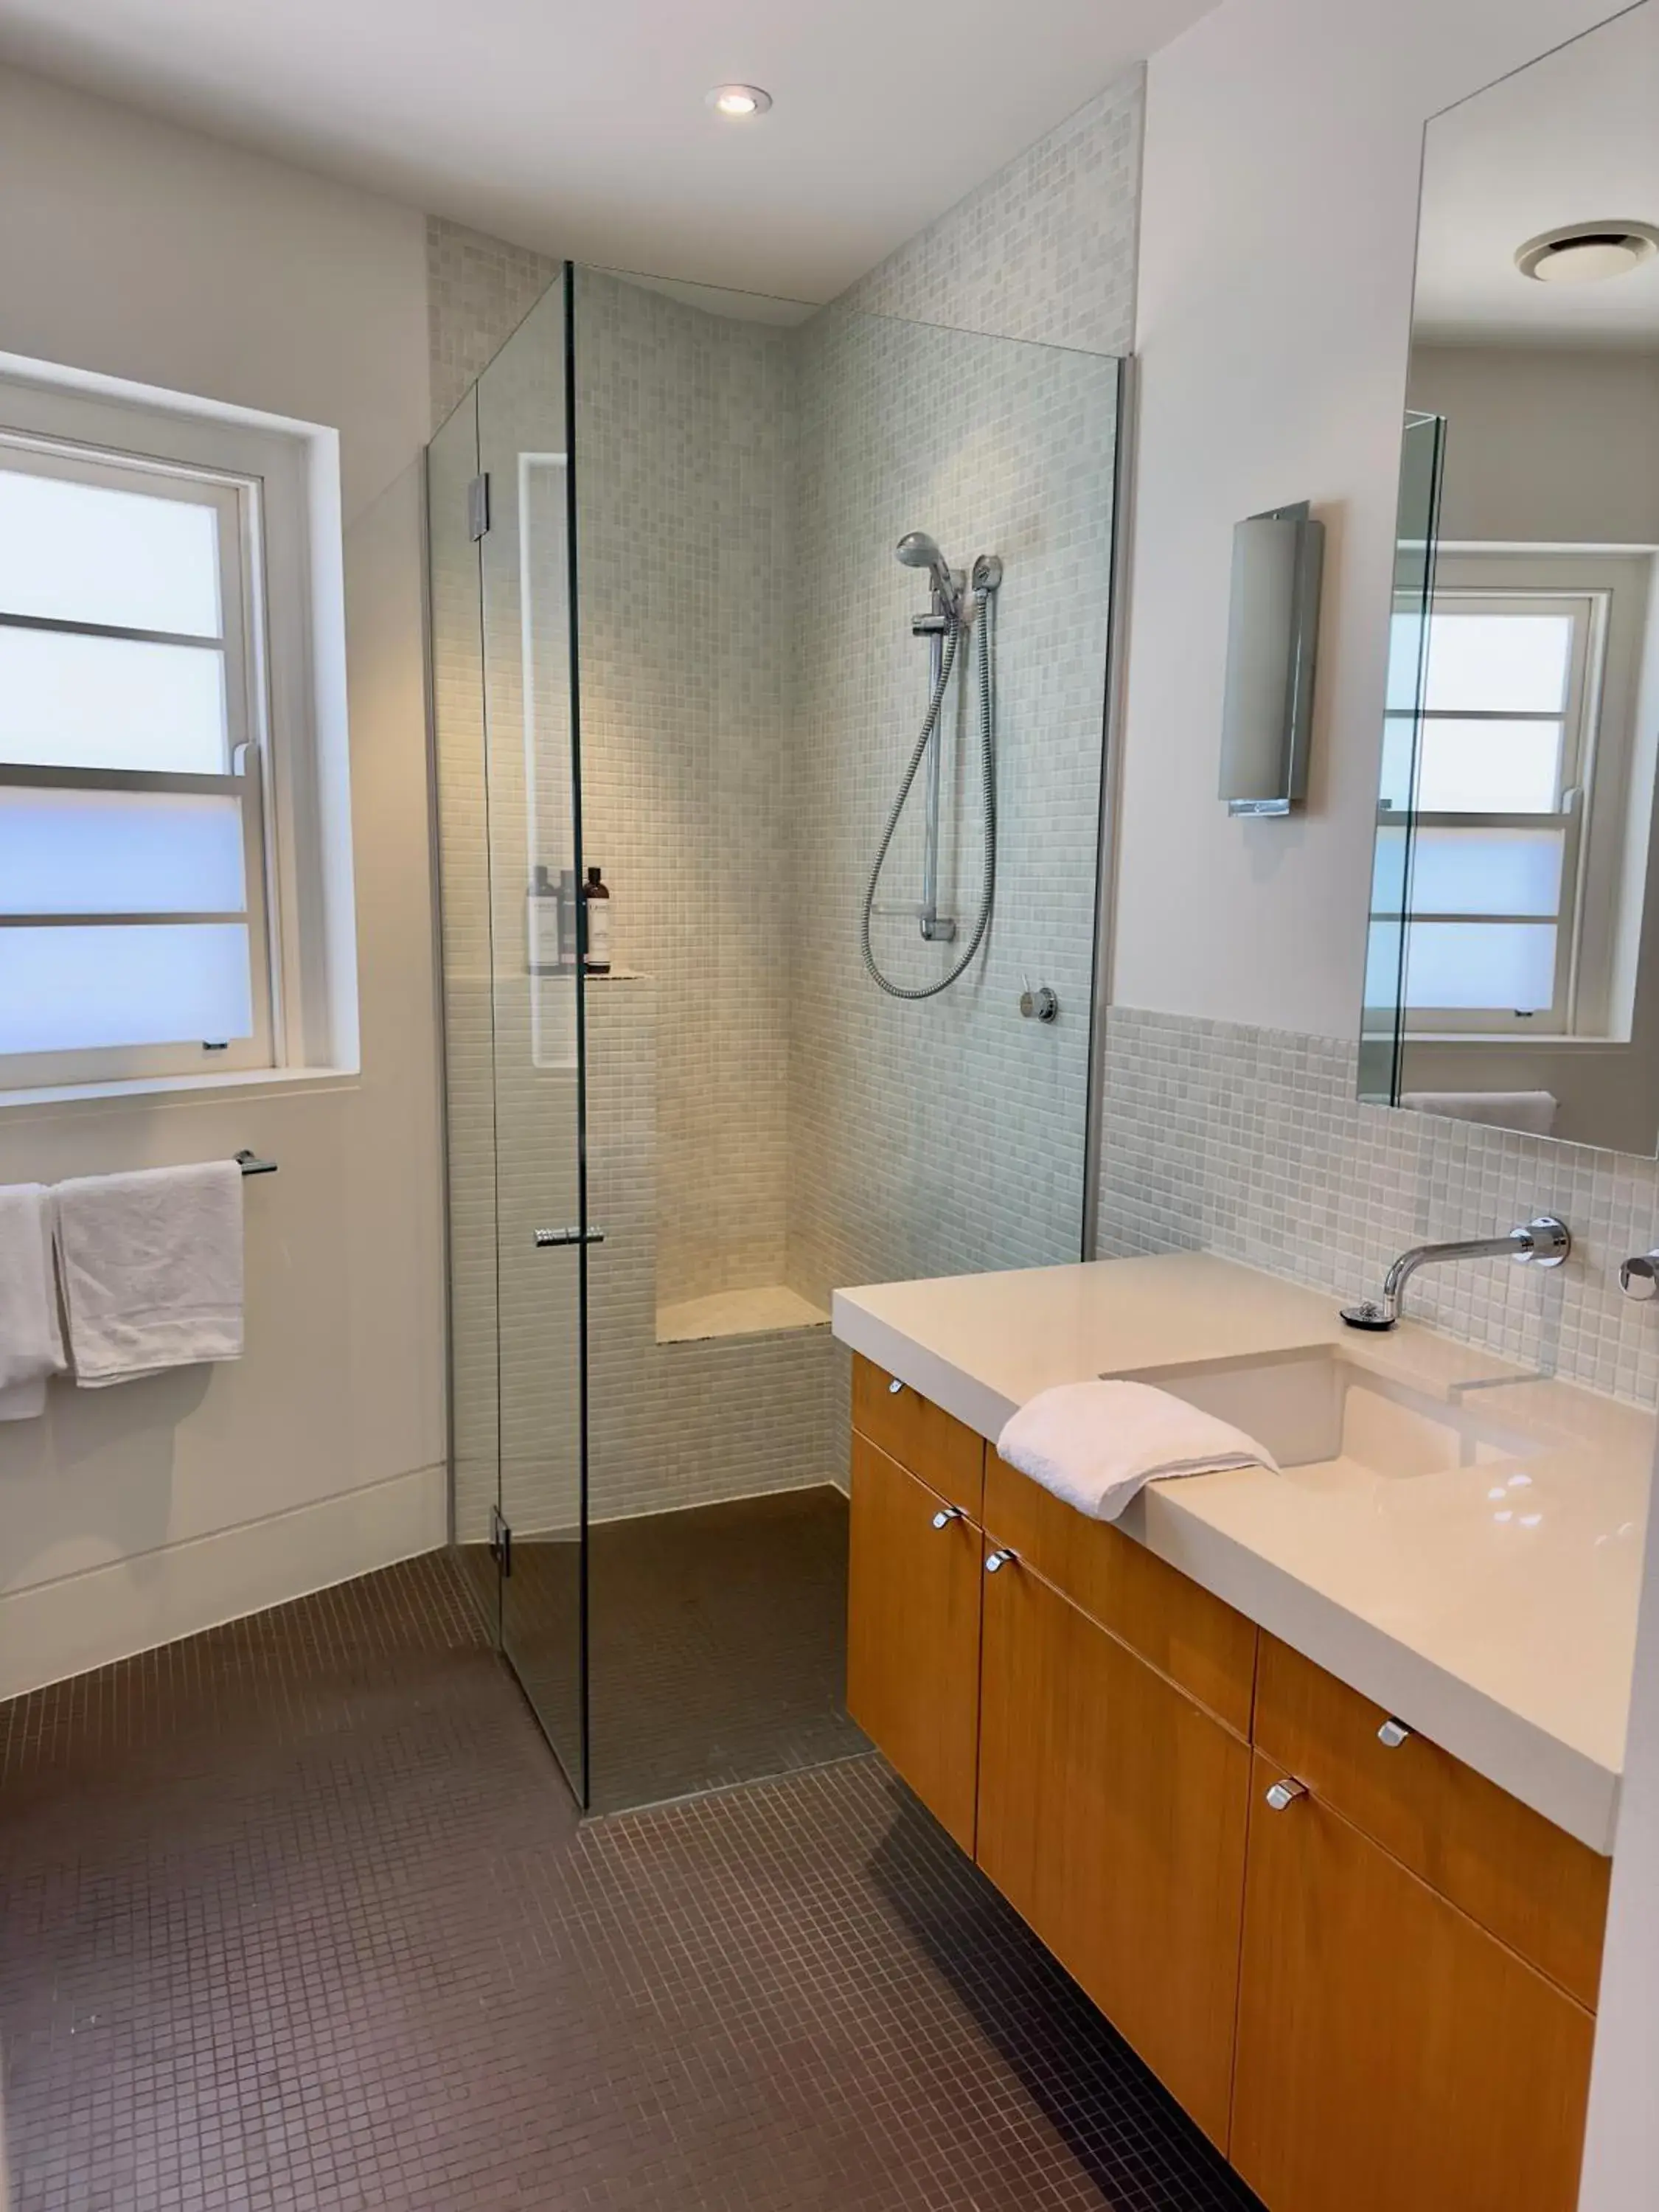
<point>1251,1143</point>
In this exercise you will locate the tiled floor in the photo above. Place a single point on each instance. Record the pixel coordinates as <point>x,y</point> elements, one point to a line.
<point>297,1914</point>
<point>717,1639</point>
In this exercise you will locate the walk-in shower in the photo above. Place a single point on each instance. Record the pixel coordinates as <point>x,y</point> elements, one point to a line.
<point>960,606</point>
<point>649,1432</point>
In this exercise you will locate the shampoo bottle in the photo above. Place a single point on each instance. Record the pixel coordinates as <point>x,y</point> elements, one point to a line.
<point>596,910</point>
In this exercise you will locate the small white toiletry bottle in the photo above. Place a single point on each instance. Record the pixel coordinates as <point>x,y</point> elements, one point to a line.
<point>542,924</point>
<point>596,911</point>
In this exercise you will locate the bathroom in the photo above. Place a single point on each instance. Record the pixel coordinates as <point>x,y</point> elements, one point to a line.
<point>430,1775</point>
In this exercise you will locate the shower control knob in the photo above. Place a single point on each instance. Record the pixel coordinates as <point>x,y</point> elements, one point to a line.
<point>1039,1004</point>
<point>1638,1278</point>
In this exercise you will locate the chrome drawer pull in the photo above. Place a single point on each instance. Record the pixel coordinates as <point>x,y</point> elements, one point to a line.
<point>996,1561</point>
<point>1286,1793</point>
<point>1393,1733</point>
<point>894,1387</point>
<point>947,1514</point>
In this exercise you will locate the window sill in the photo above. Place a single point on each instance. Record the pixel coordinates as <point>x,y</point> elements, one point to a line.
<point>250,1082</point>
<point>1556,1040</point>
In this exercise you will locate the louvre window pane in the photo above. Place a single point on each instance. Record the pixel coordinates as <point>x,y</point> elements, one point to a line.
<point>120,851</point>
<point>85,553</point>
<point>1389,858</point>
<point>1498,663</point>
<point>1479,966</point>
<point>1395,784</point>
<point>1405,661</point>
<point>71,987</point>
<point>1490,767</point>
<point>1482,871</point>
<point>70,701</point>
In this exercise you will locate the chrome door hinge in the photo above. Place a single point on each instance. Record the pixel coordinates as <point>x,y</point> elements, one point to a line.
<point>477,507</point>
<point>500,1542</point>
<point>574,1234</point>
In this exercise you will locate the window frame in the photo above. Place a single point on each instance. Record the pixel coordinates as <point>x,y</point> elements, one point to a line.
<point>1579,715</point>
<point>283,478</point>
<point>1614,827</point>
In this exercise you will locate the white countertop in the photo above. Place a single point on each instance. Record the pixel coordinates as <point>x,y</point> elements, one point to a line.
<point>1507,1638</point>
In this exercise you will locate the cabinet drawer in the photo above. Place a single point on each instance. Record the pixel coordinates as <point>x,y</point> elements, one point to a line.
<point>1534,1887</point>
<point>921,1437</point>
<point>913,1634</point>
<point>1189,1636</point>
<point>1112,1816</point>
<point>1392,2056</point>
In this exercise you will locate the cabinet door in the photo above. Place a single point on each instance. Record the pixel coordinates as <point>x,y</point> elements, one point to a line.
<point>1112,1815</point>
<point>1390,2052</point>
<point>913,1633</point>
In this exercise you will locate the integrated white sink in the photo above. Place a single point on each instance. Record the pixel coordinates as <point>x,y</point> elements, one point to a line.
<point>1322,1414</point>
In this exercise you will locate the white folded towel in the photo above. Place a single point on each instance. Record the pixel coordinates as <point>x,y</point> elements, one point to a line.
<point>31,1340</point>
<point>1095,1444</point>
<point>151,1266</point>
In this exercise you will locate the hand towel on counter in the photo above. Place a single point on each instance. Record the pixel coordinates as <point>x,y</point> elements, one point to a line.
<point>1095,1444</point>
<point>31,1340</point>
<point>151,1265</point>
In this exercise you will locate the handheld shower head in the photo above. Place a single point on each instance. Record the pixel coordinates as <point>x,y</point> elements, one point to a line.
<point>917,550</point>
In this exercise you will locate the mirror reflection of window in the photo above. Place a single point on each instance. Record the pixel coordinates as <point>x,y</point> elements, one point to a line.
<point>1513,969</point>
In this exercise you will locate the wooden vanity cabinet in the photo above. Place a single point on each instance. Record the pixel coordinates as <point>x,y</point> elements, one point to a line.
<point>1391,2052</point>
<point>1112,1815</point>
<point>1376,1993</point>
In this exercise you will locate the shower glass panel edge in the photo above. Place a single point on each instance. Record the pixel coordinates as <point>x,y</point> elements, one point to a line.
<point>455,662</point>
<point>508,786</point>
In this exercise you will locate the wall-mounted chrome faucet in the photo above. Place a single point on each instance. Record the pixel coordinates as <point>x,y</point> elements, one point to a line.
<point>1544,1240</point>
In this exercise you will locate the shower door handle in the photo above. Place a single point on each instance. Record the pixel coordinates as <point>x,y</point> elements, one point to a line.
<point>574,1234</point>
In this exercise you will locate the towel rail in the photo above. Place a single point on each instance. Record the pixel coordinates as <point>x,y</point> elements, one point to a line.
<point>251,1163</point>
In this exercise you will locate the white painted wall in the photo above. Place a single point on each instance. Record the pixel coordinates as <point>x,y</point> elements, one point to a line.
<point>134,1515</point>
<point>1283,139</point>
<point>1280,217</point>
<point>1544,445</point>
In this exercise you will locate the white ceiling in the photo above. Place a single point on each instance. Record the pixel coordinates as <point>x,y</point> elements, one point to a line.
<point>580,125</point>
<point>1573,139</point>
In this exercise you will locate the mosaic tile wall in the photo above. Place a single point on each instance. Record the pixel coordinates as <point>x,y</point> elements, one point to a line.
<point>690,608</point>
<point>945,1136</point>
<point>479,289</point>
<point>1250,1143</point>
<point>694,767</point>
<point>1045,249</point>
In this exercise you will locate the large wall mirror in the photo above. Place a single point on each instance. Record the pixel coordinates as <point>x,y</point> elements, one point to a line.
<point>1513,969</point>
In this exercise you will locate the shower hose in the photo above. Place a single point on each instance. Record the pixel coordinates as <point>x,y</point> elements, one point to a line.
<point>984,601</point>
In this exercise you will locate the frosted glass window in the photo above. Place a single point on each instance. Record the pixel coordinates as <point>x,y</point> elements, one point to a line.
<point>1395,790</point>
<point>1405,661</point>
<point>120,851</point>
<point>1490,767</point>
<point>1499,664</point>
<point>75,701</point>
<point>1382,964</point>
<point>1476,966</point>
<point>85,553</point>
<point>1477,871</point>
<point>1388,869</point>
<point>71,987</point>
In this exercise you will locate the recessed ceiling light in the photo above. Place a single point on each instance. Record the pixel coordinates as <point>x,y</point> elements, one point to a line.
<point>1587,252</point>
<point>739,99</point>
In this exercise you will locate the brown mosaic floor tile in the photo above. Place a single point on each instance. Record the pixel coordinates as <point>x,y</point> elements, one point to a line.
<point>299,1915</point>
